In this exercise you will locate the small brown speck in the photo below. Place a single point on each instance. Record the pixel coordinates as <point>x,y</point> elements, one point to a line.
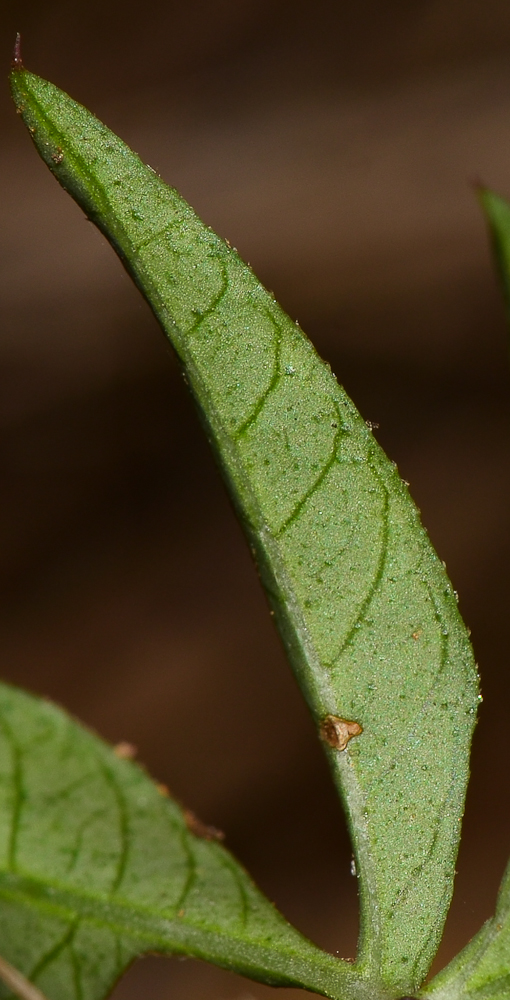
<point>416,635</point>
<point>163,790</point>
<point>180,913</point>
<point>337,732</point>
<point>200,829</point>
<point>58,156</point>
<point>125,750</point>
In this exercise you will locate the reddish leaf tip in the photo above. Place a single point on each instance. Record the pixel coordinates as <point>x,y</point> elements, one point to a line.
<point>17,62</point>
<point>477,183</point>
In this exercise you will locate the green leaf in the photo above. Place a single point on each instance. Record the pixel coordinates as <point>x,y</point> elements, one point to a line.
<point>363,604</point>
<point>482,969</point>
<point>497,213</point>
<point>98,866</point>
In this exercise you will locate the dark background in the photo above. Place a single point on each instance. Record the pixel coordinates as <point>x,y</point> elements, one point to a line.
<point>335,145</point>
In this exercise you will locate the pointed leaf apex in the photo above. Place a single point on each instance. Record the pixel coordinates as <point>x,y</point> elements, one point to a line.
<point>17,62</point>
<point>477,185</point>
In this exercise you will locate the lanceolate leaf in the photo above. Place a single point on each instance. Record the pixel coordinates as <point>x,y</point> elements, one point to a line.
<point>98,866</point>
<point>481,971</point>
<point>362,602</point>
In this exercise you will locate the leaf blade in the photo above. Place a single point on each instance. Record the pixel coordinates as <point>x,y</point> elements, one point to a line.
<point>364,607</point>
<point>97,867</point>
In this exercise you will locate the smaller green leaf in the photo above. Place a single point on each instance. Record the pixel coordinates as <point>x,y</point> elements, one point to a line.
<point>97,867</point>
<point>497,212</point>
<point>482,969</point>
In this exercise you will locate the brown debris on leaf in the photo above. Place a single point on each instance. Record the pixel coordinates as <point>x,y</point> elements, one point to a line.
<point>337,732</point>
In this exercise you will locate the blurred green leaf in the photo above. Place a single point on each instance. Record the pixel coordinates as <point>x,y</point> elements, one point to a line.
<point>98,866</point>
<point>363,604</point>
<point>497,213</point>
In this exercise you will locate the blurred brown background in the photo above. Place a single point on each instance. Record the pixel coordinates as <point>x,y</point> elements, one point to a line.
<point>335,145</point>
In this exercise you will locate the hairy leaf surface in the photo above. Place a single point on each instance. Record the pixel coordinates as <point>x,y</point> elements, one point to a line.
<point>363,604</point>
<point>97,866</point>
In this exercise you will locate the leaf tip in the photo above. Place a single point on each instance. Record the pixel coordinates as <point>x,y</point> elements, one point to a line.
<point>17,61</point>
<point>476,182</point>
<point>480,189</point>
